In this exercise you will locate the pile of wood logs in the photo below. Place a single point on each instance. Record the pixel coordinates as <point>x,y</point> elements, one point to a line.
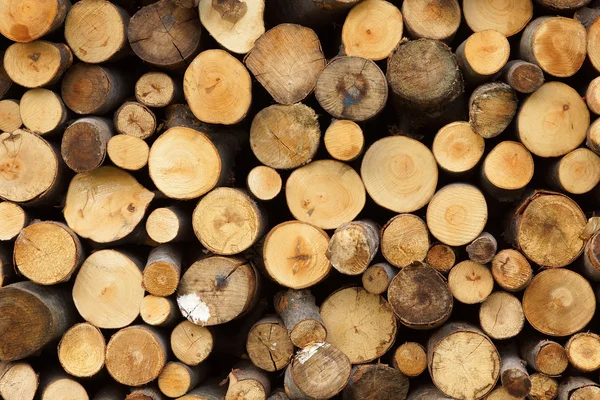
<point>299,199</point>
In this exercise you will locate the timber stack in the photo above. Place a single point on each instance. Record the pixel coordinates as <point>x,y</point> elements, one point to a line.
<point>299,199</point>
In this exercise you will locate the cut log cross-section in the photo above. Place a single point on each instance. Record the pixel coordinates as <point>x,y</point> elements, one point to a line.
<point>545,356</point>
<point>353,246</point>
<point>24,21</point>
<point>191,344</point>
<point>157,89</point>
<point>135,119</point>
<point>285,48</point>
<point>522,76</point>
<point>18,381</point>
<point>344,140</point>
<point>482,55</point>
<point>501,316</point>
<point>128,152</point>
<point>10,115</point>
<point>81,350</point>
<point>432,19</point>
<point>492,107</point>
<point>162,271</point>
<point>404,239</point>
<point>173,50</point>
<point>457,148</point>
<point>36,64</point>
<point>410,358</point>
<point>84,143</point>
<point>43,111</point>
<point>508,17</point>
<point>377,278</point>
<point>269,345</point>
<point>301,317</point>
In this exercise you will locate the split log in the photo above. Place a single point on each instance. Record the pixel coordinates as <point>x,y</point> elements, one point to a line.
<point>169,224</point>
<point>559,302</point>
<point>96,31</point>
<point>81,350</point>
<point>507,170</point>
<point>441,257</point>
<point>93,89</point>
<point>360,324</point>
<point>420,282</point>
<point>146,34</point>
<point>176,379</point>
<point>375,382</point>
<point>344,140</point>
<point>593,136</point>
<point>247,382</point>
<point>404,189</point>
<point>218,88</point>
<point>24,21</point>
<point>543,387</point>
<point>268,345</point>
<point>186,163</point>
<point>157,89</point>
<point>508,18</point>
<point>264,183</point>
<point>352,88</point>
<point>513,374</point>
<point>501,316</point>
<point>372,29</point>
<point>482,56</point>
<point>457,149</point>
<point>457,214</point>
<point>404,240</point>
<point>84,207</point>
<point>563,5</point>
<point>36,64</point>
<point>135,119</point>
<point>555,247</point>
<point>318,371</point>
<point>43,111</point>
<point>583,351</point>
<point>483,249</point>
<point>13,219</point>
<point>190,343</point>
<point>426,83</point>
<point>470,282</point>
<point>432,19</point>
<point>301,317</point>
<point>162,271</point>
<point>480,370</point>
<point>217,289</point>
<point>59,386</point>
<point>315,191</point>
<point>39,177</point>
<point>492,107</point>
<point>410,358</point>
<point>522,76</point>
<point>159,311</point>
<point>206,391</point>
<point>136,355</point>
<point>295,254</point>
<point>234,24</point>
<point>228,221</point>
<point>84,143</point>
<point>18,381</point>
<point>544,356</point>
<point>281,50</point>
<point>32,316</point>
<point>577,172</point>
<point>10,115</point>
<point>128,152</point>
<point>108,289</point>
<point>35,254</point>
<point>353,246</point>
<point>285,137</point>
<point>556,44</point>
<point>578,388</point>
<point>377,278</point>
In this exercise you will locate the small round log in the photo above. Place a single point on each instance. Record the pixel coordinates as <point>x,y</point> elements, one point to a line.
<point>377,278</point>
<point>457,148</point>
<point>583,351</point>
<point>84,143</point>
<point>507,17</point>
<point>268,345</point>
<point>522,76</point>
<point>81,350</point>
<point>18,381</point>
<point>405,189</point>
<point>10,115</point>
<point>190,343</point>
<point>301,317</point>
<point>24,21</point>
<point>13,219</point>
<point>543,387</point>
<point>176,379</point>
<point>157,89</point>
<point>577,172</point>
<point>128,152</point>
<point>410,358</point>
<point>353,88</point>
<point>36,64</point>
<point>159,311</point>
<point>295,254</point>
<point>432,19</point>
<point>264,183</point>
<point>169,224</point>
<point>136,355</point>
<point>483,249</point>
<point>404,240</point>
<point>501,316</point>
<point>492,107</point>
<point>43,111</point>
<point>507,170</point>
<point>545,356</point>
<point>344,140</point>
<point>360,324</point>
<point>108,289</point>
<point>482,55</point>
<point>470,282</point>
<point>162,271</point>
<point>441,257</point>
<point>513,374</point>
<point>559,302</point>
<point>135,119</point>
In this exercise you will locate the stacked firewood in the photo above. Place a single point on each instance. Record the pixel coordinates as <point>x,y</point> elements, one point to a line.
<point>299,199</point>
